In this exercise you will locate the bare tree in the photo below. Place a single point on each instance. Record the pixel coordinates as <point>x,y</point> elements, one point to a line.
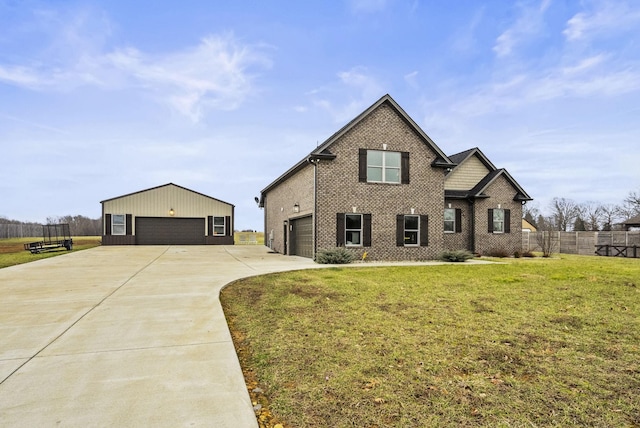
<point>564,212</point>
<point>610,215</point>
<point>591,214</point>
<point>79,224</point>
<point>530,212</point>
<point>632,203</point>
<point>545,235</point>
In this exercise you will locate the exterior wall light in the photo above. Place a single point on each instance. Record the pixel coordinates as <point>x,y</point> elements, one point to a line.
<point>296,208</point>
<point>171,212</point>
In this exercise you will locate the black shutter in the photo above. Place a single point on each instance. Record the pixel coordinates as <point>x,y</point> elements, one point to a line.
<point>366,230</point>
<point>400,230</point>
<point>227,225</point>
<point>424,230</point>
<point>404,168</point>
<point>107,224</point>
<point>210,225</point>
<point>128,221</point>
<point>507,221</point>
<point>340,230</point>
<point>458,220</point>
<point>362,165</point>
<point>490,220</point>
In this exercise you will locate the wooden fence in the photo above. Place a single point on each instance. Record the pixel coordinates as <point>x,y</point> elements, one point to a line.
<point>586,243</point>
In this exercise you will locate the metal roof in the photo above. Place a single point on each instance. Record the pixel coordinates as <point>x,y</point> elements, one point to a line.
<point>166,185</point>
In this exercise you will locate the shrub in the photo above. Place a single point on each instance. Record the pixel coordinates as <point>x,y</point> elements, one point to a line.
<point>517,254</point>
<point>336,256</point>
<point>498,252</point>
<point>455,256</point>
<point>528,254</point>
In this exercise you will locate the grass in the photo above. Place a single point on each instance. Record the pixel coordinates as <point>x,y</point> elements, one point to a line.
<point>245,238</point>
<point>528,342</point>
<point>12,250</point>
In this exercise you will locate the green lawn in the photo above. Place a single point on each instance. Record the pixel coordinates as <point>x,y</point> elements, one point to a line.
<point>528,342</point>
<point>12,250</point>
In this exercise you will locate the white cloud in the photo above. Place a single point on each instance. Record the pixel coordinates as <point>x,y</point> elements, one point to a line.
<point>606,17</point>
<point>356,86</point>
<point>528,24</point>
<point>217,73</point>
<point>589,77</point>
<point>411,79</point>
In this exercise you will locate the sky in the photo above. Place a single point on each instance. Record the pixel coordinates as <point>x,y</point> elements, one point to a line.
<point>103,98</point>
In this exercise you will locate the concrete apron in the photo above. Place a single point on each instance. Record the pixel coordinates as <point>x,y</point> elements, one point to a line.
<point>126,336</point>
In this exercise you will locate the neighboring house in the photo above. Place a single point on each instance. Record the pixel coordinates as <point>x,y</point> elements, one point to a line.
<point>632,224</point>
<point>528,227</point>
<point>166,215</point>
<point>380,185</point>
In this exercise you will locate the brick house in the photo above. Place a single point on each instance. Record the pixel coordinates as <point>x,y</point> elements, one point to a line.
<point>380,185</point>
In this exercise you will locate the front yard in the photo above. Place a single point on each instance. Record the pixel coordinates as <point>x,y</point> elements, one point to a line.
<point>529,342</point>
<point>12,250</point>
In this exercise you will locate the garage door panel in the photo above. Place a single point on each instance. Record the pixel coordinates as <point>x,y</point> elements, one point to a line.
<point>170,231</point>
<point>302,237</point>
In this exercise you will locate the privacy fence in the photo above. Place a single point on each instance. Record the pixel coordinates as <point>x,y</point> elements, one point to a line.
<point>622,244</point>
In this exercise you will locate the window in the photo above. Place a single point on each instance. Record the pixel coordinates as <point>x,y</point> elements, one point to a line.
<point>449,220</point>
<point>118,224</point>
<point>411,229</point>
<point>383,167</point>
<point>499,221</point>
<point>353,230</point>
<point>218,226</point>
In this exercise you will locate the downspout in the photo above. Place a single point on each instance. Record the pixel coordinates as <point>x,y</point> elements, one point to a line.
<point>472,225</point>
<point>315,163</point>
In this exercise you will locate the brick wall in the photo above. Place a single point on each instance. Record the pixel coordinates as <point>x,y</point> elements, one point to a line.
<point>459,241</point>
<point>340,191</point>
<point>502,193</point>
<point>279,204</point>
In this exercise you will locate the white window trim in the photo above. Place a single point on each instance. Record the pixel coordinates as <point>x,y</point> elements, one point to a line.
<point>346,230</point>
<point>385,167</point>
<point>417,244</point>
<point>451,221</point>
<point>114,224</point>
<point>224,226</point>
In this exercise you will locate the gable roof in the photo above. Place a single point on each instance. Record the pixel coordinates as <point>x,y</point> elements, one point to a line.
<point>461,157</point>
<point>322,151</point>
<point>166,185</point>
<point>479,189</point>
<point>442,160</point>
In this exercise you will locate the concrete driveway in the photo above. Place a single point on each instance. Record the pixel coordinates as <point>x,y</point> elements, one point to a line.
<point>126,336</point>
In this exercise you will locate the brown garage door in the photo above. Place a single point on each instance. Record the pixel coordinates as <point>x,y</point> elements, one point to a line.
<point>169,231</point>
<point>302,237</point>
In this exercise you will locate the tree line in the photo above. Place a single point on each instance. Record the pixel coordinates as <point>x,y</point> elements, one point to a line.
<point>565,214</point>
<point>79,225</point>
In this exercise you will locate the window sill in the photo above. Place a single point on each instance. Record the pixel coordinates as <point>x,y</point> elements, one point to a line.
<point>383,182</point>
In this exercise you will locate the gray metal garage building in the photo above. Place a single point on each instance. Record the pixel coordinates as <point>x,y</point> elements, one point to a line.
<point>167,215</point>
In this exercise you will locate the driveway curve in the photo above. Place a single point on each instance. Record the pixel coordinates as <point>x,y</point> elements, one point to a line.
<point>126,336</point>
